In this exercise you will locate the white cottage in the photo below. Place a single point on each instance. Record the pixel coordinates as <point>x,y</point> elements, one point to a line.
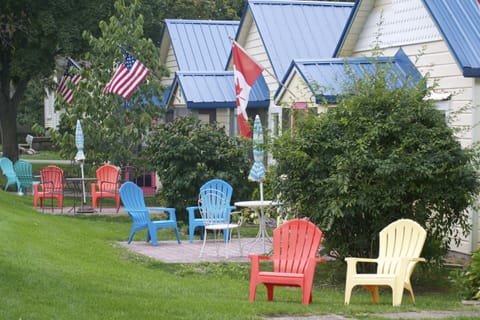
<point>442,38</point>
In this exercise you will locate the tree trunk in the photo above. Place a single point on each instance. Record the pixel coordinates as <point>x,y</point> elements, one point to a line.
<point>8,119</point>
<point>8,124</point>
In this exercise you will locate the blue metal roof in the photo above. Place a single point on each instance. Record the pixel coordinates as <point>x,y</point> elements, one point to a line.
<point>206,90</point>
<point>201,45</point>
<point>459,23</point>
<point>298,29</point>
<point>328,78</point>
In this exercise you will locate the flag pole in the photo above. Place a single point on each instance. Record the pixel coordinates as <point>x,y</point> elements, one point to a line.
<point>74,63</point>
<point>268,71</point>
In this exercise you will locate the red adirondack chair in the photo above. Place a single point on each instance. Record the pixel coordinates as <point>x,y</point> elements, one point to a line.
<point>295,248</point>
<point>107,185</point>
<point>50,186</point>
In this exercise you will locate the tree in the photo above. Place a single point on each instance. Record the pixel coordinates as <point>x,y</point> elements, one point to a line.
<point>113,128</point>
<point>186,154</point>
<point>155,11</point>
<point>32,34</point>
<point>383,153</point>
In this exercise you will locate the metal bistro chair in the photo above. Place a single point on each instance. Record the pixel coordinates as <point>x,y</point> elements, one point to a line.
<point>215,209</point>
<point>194,218</point>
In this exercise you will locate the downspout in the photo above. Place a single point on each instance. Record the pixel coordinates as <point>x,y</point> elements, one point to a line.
<point>476,139</point>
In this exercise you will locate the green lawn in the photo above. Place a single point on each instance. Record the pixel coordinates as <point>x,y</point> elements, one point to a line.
<point>71,267</point>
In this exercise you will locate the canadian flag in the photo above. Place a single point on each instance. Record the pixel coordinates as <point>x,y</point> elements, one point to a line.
<point>245,73</point>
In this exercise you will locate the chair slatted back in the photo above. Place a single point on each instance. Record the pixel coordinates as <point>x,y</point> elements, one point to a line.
<point>23,169</point>
<point>107,178</point>
<point>213,207</point>
<point>7,167</point>
<point>51,179</point>
<point>403,238</point>
<point>294,243</point>
<point>214,201</point>
<point>134,202</point>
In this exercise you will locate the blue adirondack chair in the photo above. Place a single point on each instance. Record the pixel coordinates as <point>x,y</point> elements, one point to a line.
<point>8,171</point>
<point>23,170</point>
<point>134,202</point>
<point>194,218</point>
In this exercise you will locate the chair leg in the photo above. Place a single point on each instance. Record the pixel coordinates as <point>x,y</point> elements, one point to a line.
<point>253,291</point>
<point>397,294</point>
<point>269,291</point>
<point>348,292</point>
<point>191,232</point>
<point>307,295</point>
<point>178,235</point>
<point>373,292</point>
<point>204,240</point>
<point>240,242</point>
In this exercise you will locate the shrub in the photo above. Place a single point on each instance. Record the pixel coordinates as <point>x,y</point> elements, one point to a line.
<point>187,153</point>
<point>382,154</point>
<point>467,280</point>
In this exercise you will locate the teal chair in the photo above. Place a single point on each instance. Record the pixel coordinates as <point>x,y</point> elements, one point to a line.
<point>134,202</point>
<point>9,172</point>
<point>194,218</point>
<point>23,170</point>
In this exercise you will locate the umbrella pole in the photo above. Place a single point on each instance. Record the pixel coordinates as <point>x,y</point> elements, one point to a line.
<point>263,227</point>
<point>84,198</point>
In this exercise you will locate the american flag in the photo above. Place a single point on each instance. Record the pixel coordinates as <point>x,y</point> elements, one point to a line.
<point>127,78</point>
<point>63,87</point>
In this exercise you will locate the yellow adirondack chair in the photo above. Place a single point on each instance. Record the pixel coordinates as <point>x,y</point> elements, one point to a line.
<point>401,243</point>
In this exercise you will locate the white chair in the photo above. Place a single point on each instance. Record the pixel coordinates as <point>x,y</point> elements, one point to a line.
<point>215,211</point>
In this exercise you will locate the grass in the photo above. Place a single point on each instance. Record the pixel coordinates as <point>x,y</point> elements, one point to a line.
<point>72,267</point>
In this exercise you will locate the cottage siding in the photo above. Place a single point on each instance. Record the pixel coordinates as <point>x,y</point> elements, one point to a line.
<point>224,118</point>
<point>50,116</point>
<point>172,66</point>
<point>406,24</point>
<point>297,90</point>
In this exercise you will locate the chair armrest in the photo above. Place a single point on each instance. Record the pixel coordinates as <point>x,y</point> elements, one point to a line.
<point>355,260</point>
<point>191,212</point>
<point>171,212</point>
<point>254,258</point>
<point>352,264</point>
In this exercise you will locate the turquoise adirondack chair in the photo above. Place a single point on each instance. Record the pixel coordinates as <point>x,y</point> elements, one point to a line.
<point>9,172</point>
<point>194,218</point>
<point>134,202</point>
<point>23,170</point>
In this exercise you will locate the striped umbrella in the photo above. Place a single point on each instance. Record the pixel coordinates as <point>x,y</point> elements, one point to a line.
<point>80,156</point>
<point>257,173</point>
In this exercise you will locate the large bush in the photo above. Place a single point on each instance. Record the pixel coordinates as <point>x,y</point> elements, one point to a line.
<point>382,154</point>
<point>187,153</point>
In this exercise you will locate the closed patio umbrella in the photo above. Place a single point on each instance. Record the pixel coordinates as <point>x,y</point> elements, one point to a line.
<point>257,172</point>
<point>80,156</point>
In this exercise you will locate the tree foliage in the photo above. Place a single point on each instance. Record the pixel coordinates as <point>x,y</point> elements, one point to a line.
<point>155,11</point>
<point>32,34</point>
<point>113,128</point>
<point>187,153</point>
<point>383,153</point>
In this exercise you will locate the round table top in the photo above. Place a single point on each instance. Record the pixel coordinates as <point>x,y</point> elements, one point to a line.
<point>255,203</point>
